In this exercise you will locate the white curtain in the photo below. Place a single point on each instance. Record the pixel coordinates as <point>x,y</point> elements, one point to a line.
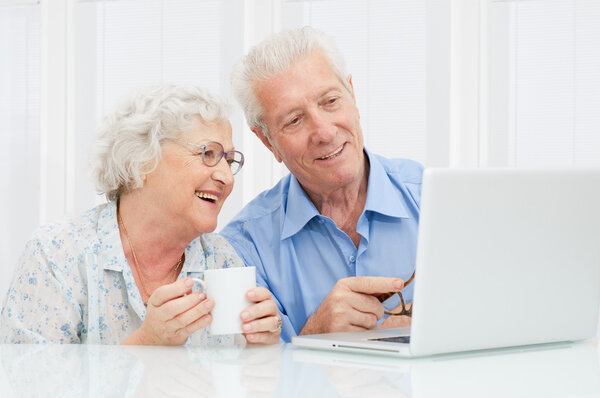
<point>544,83</point>
<point>19,132</point>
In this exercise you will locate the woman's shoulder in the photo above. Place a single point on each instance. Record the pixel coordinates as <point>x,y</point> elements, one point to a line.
<point>218,251</point>
<point>68,233</point>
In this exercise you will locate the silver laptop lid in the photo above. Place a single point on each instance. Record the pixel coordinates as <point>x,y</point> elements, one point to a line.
<point>505,258</point>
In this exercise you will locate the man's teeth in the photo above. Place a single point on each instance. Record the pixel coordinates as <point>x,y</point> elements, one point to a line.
<point>332,154</point>
<point>207,196</point>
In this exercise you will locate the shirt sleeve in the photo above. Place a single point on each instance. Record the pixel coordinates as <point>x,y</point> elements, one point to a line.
<point>243,244</point>
<point>39,306</point>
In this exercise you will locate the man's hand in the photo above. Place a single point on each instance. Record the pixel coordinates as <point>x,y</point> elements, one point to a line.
<point>397,321</point>
<point>351,305</point>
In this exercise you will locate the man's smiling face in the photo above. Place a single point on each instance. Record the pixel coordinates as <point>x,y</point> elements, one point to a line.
<point>314,125</point>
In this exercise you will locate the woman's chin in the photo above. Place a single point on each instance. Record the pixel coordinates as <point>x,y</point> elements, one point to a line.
<point>205,228</point>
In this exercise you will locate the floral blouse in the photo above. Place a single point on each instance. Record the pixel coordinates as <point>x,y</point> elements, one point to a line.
<point>74,285</point>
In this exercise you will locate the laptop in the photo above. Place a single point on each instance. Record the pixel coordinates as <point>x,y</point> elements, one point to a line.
<point>505,258</point>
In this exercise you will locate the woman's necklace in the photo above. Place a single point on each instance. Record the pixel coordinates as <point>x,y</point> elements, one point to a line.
<point>174,271</point>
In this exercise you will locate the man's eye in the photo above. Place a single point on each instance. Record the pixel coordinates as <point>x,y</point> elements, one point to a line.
<point>294,121</point>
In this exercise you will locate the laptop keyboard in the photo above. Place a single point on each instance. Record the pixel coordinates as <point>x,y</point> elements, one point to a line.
<point>395,339</point>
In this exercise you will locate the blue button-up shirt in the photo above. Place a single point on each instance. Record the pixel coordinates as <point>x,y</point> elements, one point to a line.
<point>300,254</point>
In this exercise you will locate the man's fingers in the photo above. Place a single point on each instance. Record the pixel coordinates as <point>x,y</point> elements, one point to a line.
<point>365,320</point>
<point>169,292</point>
<point>396,322</point>
<point>374,284</point>
<point>367,304</point>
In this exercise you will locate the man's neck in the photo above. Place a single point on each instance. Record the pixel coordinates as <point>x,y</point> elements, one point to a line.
<point>344,205</point>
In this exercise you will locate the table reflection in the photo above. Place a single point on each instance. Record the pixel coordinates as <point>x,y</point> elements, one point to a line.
<point>558,370</point>
<point>87,370</point>
<point>563,370</point>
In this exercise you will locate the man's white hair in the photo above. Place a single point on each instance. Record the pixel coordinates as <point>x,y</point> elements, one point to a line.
<point>128,143</point>
<point>274,55</point>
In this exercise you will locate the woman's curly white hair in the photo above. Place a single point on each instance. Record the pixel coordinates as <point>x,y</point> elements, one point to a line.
<point>128,143</point>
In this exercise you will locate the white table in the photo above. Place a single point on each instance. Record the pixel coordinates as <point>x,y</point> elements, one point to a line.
<point>566,370</point>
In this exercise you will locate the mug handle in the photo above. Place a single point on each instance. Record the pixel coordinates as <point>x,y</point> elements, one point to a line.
<point>200,282</point>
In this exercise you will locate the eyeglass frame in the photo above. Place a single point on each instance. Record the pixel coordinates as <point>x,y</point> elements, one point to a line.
<point>384,296</point>
<point>202,147</point>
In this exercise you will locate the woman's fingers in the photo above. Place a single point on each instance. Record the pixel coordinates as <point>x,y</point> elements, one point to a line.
<point>169,292</point>
<point>262,338</point>
<point>268,324</point>
<point>261,321</point>
<point>259,310</point>
<point>201,309</point>
<point>178,306</point>
<point>258,294</point>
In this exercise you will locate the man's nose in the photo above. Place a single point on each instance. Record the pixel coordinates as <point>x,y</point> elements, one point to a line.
<point>322,128</point>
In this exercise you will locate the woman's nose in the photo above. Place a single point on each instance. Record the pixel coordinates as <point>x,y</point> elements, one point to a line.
<point>222,172</point>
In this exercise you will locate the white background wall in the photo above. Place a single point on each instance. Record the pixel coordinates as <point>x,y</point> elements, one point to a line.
<point>469,83</point>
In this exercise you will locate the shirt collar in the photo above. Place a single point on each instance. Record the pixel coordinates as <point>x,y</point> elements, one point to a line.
<point>382,193</point>
<point>111,248</point>
<point>111,252</point>
<point>299,209</point>
<point>195,258</point>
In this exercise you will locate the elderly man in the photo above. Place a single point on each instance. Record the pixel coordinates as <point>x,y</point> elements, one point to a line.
<point>340,229</point>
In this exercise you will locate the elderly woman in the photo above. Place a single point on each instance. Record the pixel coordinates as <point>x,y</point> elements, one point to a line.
<point>121,272</point>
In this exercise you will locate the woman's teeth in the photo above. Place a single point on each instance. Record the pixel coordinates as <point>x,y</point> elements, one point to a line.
<point>333,154</point>
<point>207,196</point>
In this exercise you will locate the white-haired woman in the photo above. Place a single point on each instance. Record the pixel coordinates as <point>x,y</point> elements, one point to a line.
<point>121,272</point>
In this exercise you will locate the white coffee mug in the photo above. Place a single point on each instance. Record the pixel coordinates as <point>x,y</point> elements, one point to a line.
<point>228,288</point>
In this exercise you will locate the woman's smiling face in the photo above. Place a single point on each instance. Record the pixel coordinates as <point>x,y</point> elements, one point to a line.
<point>183,187</point>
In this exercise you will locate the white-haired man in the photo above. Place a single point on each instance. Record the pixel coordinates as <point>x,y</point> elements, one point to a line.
<point>340,229</point>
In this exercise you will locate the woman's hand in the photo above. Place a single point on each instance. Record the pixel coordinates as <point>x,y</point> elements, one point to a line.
<point>173,313</point>
<point>261,322</point>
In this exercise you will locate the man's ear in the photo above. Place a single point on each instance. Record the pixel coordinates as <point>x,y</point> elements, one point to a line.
<point>265,140</point>
<point>349,80</point>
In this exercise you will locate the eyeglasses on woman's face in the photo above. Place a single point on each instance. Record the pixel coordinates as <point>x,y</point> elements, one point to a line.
<point>213,152</point>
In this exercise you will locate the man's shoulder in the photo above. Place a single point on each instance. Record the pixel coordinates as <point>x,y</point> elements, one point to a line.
<point>403,170</point>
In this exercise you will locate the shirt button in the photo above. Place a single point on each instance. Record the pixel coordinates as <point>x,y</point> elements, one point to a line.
<point>352,258</point>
